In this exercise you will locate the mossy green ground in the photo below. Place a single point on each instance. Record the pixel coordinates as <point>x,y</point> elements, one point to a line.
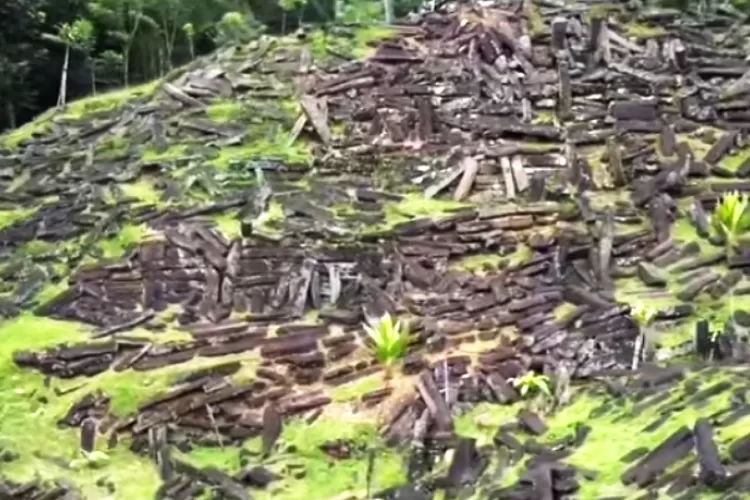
<point>76,110</point>
<point>28,426</point>
<point>672,336</point>
<point>616,433</point>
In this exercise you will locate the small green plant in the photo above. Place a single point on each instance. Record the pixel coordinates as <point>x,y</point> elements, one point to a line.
<point>390,338</point>
<point>532,384</point>
<point>643,314</point>
<point>731,217</point>
<point>716,327</point>
<point>91,460</point>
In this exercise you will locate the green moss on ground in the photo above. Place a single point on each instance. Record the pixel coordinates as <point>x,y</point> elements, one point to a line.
<point>612,434</point>
<point>78,110</point>
<point>142,190</point>
<point>28,424</point>
<point>228,111</point>
<point>109,101</point>
<point>643,31</point>
<point>229,224</point>
<point>112,147</point>
<point>274,147</point>
<point>734,161</point>
<point>416,205</point>
<point>481,263</point>
<point>39,126</point>
<point>324,476</point>
<point>356,389</point>
<point>10,217</point>
<point>359,46</point>
<point>127,238</point>
<point>172,153</point>
<point>678,334</point>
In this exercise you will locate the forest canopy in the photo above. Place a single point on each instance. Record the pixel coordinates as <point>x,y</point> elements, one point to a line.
<point>52,51</point>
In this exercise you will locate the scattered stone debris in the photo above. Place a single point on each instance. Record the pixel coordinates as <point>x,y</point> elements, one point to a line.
<point>526,117</point>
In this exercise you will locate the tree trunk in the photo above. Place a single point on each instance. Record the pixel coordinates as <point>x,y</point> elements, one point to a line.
<point>125,64</point>
<point>170,47</point>
<point>191,47</point>
<point>62,96</point>
<point>388,7</point>
<point>92,70</point>
<point>10,113</point>
<point>283,23</point>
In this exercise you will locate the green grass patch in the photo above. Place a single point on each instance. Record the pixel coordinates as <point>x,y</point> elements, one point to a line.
<point>357,388</point>
<point>267,223</point>
<point>644,31</point>
<point>227,111</point>
<point>112,147</point>
<point>481,263</point>
<point>142,190</point>
<point>324,476</point>
<point>9,217</point>
<point>364,37</point>
<point>28,425</point>
<point>129,236</point>
<point>733,162</point>
<point>109,101</point>
<point>416,205</point>
<point>277,147</point>
<point>229,224</point>
<point>357,46</point>
<point>675,334</point>
<point>612,434</point>
<point>172,153</point>
<point>40,126</point>
<point>602,11</point>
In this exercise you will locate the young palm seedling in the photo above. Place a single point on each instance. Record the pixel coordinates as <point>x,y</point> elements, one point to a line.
<point>731,218</point>
<point>390,339</point>
<point>534,387</point>
<point>643,315</point>
<point>532,384</point>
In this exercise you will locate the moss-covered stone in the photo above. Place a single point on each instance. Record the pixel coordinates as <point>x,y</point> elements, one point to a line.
<point>644,31</point>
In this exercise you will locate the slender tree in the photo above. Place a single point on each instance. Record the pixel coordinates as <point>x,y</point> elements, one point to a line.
<point>388,8</point>
<point>21,24</point>
<point>189,30</point>
<point>76,35</point>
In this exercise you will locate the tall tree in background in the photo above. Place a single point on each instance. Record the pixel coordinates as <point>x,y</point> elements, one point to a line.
<point>388,7</point>
<point>123,19</point>
<point>236,27</point>
<point>189,30</point>
<point>76,35</point>
<point>21,24</point>
<point>138,40</point>
<point>290,6</point>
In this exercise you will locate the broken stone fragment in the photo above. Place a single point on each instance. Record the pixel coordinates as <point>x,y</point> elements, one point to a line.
<point>651,275</point>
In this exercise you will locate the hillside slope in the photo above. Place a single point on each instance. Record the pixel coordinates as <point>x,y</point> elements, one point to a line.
<point>188,265</point>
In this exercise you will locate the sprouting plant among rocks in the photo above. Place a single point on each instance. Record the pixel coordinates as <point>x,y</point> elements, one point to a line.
<point>731,218</point>
<point>716,326</point>
<point>532,384</point>
<point>92,460</point>
<point>644,316</point>
<point>390,340</point>
<point>536,388</point>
